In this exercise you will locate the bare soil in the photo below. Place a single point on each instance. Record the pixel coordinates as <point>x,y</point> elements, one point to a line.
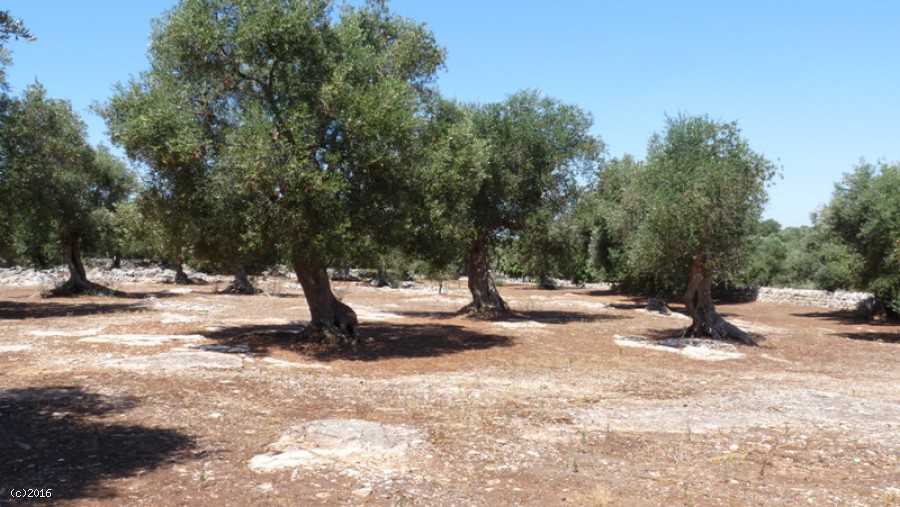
<point>187,397</point>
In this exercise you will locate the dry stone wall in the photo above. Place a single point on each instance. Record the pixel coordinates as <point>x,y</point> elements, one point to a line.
<point>21,276</point>
<point>839,300</point>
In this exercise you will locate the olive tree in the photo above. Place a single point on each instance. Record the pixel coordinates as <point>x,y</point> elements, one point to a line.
<point>55,182</point>
<point>307,113</point>
<point>695,204</point>
<point>864,218</point>
<point>535,146</point>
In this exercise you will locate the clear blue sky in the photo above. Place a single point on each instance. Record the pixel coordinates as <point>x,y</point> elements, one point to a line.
<point>814,85</point>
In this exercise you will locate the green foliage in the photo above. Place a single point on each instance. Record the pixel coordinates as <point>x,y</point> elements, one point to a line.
<point>693,205</point>
<point>551,247</point>
<point>127,233</point>
<point>9,27</point>
<point>12,27</point>
<point>537,147</point>
<point>292,128</point>
<point>863,221</point>
<point>505,172</point>
<point>607,217</point>
<point>451,163</point>
<point>57,187</point>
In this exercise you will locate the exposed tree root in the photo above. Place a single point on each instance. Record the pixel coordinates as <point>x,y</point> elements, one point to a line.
<point>545,283</point>
<point>181,277</point>
<point>720,329</point>
<point>485,311</point>
<point>241,284</point>
<point>338,330</point>
<point>77,287</point>
<point>240,288</point>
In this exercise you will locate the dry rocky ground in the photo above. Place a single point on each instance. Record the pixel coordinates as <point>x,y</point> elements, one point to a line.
<point>181,396</point>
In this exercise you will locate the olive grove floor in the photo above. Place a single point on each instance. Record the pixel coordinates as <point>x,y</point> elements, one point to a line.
<point>181,396</point>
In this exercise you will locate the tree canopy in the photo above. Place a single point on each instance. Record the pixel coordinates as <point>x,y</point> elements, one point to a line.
<point>535,147</point>
<point>690,211</point>
<point>309,114</point>
<point>863,216</point>
<point>56,185</point>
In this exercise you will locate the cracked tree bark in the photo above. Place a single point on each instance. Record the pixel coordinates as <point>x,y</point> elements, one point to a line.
<point>486,300</point>
<point>331,321</point>
<point>705,321</point>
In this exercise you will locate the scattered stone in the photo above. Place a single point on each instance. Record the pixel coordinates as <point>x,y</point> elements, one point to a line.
<point>97,271</point>
<point>177,318</point>
<point>15,347</point>
<point>291,364</point>
<point>276,321</point>
<point>337,440</point>
<point>521,324</point>
<point>179,360</point>
<point>84,332</point>
<point>363,314</point>
<point>143,340</point>
<point>361,492</point>
<point>180,290</point>
<point>695,348</point>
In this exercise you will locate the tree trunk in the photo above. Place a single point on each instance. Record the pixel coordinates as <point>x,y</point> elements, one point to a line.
<point>382,279</point>
<point>181,277</point>
<point>545,282</point>
<point>331,321</point>
<point>78,282</point>
<point>241,283</point>
<point>116,261</point>
<point>486,300</point>
<point>706,322</point>
<point>72,253</point>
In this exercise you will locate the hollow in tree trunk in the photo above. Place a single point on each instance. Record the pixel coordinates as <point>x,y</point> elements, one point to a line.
<point>331,321</point>
<point>181,277</point>
<point>78,282</point>
<point>241,283</point>
<point>706,322</point>
<point>486,300</point>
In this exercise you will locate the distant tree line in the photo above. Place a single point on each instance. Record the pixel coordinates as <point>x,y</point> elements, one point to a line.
<point>284,132</point>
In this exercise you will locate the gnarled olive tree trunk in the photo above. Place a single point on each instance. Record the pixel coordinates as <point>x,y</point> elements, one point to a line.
<point>486,300</point>
<point>181,277</point>
<point>241,283</point>
<point>77,282</point>
<point>331,321</point>
<point>706,322</point>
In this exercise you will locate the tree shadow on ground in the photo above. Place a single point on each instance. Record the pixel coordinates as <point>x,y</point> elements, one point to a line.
<point>44,309</point>
<point>377,341</point>
<point>634,303</point>
<point>160,294</point>
<point>887,330</point>
<point>850,317</point>
<point>602,293</point>
<point>886,337</point>
<point>542,316</point>
<point>61,438</point>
